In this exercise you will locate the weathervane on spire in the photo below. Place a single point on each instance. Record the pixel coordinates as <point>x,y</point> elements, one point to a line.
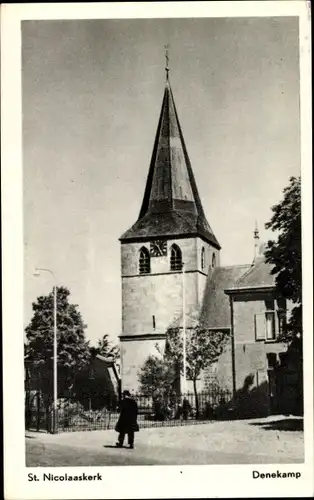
<point>256,240</point>
<point>167,62</point>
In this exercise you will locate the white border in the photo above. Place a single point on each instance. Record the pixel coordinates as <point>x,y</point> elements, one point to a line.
<point>132,482</point>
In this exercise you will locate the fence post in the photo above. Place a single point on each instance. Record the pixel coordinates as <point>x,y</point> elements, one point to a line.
<point>38,411</point>
<point>48,416</point>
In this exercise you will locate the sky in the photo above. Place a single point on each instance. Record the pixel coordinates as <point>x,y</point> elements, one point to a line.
<point>91,96</point>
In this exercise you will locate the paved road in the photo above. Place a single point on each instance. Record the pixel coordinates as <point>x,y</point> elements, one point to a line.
<point>237,442</point>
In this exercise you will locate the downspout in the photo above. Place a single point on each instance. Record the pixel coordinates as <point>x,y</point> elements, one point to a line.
<point>232,347</point>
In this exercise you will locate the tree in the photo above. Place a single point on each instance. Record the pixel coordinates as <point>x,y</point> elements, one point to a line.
<point>105,348</point>
<point>73,349</point>
<point>203,348</point>
<point>157,376</point>
<point>285,253</point>
<point>91,389</point>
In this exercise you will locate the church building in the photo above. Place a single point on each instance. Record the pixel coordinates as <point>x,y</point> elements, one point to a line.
<point>171,273</point>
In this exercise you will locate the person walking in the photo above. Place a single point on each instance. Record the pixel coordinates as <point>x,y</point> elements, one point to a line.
<point>127,422</point>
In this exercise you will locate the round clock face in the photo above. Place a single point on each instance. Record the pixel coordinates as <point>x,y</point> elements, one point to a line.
<point>158,248</point>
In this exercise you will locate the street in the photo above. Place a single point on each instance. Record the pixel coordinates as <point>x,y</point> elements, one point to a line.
<point>269,440</point>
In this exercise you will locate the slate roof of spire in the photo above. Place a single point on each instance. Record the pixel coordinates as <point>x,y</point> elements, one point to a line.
<point>171,205</point>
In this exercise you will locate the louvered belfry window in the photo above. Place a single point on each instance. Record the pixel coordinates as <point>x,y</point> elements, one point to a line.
<point>144,261</point>
<point>213,261</point>
<point>203,258</point>
<point>175,258</point>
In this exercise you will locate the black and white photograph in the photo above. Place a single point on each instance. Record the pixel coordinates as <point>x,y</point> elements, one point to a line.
<point>163,200</point>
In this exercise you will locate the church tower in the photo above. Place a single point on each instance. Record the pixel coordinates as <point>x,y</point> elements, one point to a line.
<point>169,251</point>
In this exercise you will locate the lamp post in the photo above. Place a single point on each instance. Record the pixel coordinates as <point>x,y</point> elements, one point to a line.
<point>38,271</point>
<point>183,329</point>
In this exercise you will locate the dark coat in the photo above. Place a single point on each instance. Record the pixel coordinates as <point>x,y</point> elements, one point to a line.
<point>128,416</point>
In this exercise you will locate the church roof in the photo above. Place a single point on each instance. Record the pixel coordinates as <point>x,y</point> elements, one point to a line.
<point>259,275</point>
<point>171,205</point>
<point>215,311</point>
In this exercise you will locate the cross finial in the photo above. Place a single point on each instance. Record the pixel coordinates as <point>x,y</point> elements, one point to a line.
<point>167,61</point>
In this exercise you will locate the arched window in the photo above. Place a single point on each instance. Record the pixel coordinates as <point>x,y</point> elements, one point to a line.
<point>175,258</point>
<point>144,261</point>
<point>213,261</point>
<point>203,258</point>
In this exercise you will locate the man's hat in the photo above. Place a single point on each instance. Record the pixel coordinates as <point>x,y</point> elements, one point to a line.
<point>126,393</point>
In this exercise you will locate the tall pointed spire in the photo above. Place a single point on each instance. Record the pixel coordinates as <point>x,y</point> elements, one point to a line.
<point>171,205</point>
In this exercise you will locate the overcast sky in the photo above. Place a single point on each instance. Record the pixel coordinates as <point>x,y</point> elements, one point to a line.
<point>92,92</point>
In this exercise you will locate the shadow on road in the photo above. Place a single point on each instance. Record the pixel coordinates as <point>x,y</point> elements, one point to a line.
<point>113,446</point>
<point>30,437</point>
<point>291,424</point>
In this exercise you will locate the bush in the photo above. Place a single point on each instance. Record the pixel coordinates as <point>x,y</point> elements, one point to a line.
<point>161,410</point>
<point>67,410</point>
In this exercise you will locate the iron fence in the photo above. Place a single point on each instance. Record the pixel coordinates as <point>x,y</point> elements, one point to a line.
<point>38,415</point>
<point>155,411</point>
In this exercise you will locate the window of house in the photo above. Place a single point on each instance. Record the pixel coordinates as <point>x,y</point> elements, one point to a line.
<point>270,325</point>
<point>203,258</point>
<point>175,258</point>
<point>270,319</point>
<point>265,323</point>
<point>144,261</point>
<point>213,261</point>
<point>282,320</point>
<point>281,314</point>
<point>260,326</point>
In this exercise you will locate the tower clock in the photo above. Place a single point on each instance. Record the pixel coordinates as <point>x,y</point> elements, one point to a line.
<point>158,248</point>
